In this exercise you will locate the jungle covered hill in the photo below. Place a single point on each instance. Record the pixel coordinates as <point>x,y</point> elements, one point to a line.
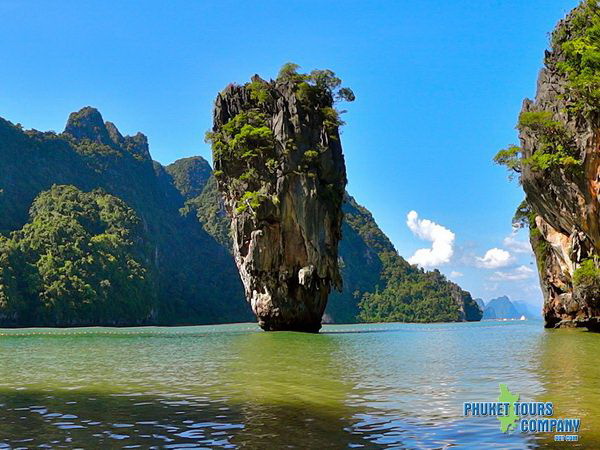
<point>94,232</point>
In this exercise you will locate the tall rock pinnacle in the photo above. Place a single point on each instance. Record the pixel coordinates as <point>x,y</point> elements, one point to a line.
<point>280,168</point>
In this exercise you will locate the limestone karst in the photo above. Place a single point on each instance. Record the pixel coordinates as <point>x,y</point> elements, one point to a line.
<point>279,165</point>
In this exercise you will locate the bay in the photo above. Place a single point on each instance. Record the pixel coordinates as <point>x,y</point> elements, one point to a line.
<point>233,386</point>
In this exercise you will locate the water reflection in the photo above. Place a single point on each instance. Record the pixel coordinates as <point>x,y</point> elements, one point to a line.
<point>76,419</point>
<point>570,373</point>
<point>415,380</point>
<point>291,390</point>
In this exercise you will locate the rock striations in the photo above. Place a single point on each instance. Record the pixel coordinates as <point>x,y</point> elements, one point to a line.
<point>280,168</point>
<point>558,162</point>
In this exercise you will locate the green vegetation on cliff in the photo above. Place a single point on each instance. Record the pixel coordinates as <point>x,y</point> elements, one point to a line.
<point>587,277</point>
<point>81,259</point>
<point>282,176</point>
<point>556,164</point>
<point>575,54</point>
<point>415,295</point>
<point>578,40</point>
<point>91,154</point>
<point>556,147</point>
<point>190,175</point>
<point>212,215</point>
<point>242,143</point>
<point>245,147</point>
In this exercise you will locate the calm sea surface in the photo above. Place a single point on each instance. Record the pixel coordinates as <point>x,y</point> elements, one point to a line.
<point>230,386</point>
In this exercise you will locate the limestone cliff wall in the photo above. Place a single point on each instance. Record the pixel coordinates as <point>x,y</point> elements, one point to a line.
<point>564,199</point>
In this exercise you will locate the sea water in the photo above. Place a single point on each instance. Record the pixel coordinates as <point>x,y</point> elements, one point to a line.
<point>230,386</point>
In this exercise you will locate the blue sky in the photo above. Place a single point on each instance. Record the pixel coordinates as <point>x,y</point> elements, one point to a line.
<point>439,86</point>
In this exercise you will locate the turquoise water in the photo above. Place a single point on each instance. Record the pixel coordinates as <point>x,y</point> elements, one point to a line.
<point>230,386</point>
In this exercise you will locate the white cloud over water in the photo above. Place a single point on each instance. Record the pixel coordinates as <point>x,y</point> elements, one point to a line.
<point>441,238</point>
<point>494,258</point>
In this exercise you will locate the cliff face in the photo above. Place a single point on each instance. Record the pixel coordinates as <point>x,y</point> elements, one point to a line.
<point>468,309</point>
<point>560,172</point>
<point>280,169</point>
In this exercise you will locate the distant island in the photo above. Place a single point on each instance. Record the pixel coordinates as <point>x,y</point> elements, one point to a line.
<point>501,308</point>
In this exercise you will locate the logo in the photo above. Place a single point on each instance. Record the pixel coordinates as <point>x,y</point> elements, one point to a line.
<point>507,398</point>
<point>524,417</point>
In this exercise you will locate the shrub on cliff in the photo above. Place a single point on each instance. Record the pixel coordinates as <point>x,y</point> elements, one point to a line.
<point>556,146</point>
<point>577,39</point>
<point>587,275</point>
<point>245,144</point>
<point>586,283</point>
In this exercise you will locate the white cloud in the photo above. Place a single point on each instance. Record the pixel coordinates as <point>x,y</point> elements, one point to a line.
<point>494,258</point>
<point>520,273</point>
<point>512,243</point>
<point>442,241</point>
<point>456,274</point>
